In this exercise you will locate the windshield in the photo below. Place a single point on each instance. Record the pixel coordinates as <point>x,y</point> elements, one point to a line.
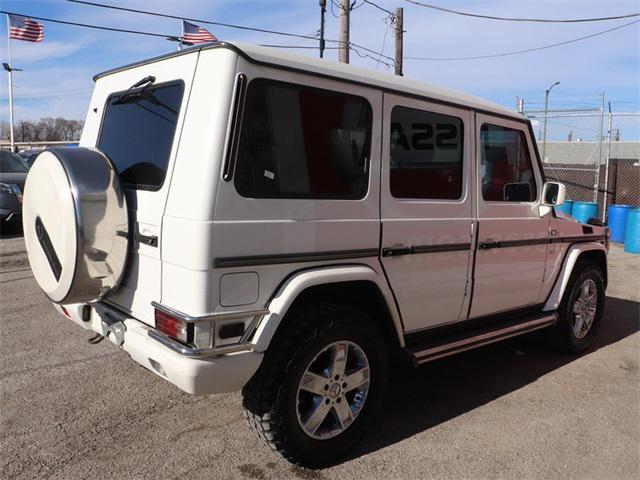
<point>11,163</point>
<point>137,133</point>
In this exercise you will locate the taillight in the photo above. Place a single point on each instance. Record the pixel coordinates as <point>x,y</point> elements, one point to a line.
<point>172,326</point>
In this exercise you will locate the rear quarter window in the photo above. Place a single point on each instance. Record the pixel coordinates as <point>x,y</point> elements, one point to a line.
<point>303,142</point>
<point>137,132</point>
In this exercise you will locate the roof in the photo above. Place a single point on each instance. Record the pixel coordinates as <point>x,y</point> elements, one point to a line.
<point>339,71</point>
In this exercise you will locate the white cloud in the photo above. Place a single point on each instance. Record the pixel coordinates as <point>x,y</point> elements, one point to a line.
<point>25,53</point>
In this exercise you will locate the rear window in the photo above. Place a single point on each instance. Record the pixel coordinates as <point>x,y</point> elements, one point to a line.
<point>137,133</point>
<point>302,142</point>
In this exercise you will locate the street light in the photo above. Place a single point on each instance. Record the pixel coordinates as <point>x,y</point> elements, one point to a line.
<point>544,136</point>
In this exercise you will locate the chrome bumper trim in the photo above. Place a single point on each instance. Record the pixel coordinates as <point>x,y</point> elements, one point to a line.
<point>192,352</point>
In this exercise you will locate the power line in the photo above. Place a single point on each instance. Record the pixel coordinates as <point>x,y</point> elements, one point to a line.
<point>384,41</point>
<point>296,46</point>
<point>513,19</point>
<point>373,4</point>
<point>198,20</point>
<point>516,52</point>
<point>87,25</point>
<point>209,22</point>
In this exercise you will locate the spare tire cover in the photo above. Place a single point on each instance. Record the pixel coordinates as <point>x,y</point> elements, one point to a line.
<point>75,224</point>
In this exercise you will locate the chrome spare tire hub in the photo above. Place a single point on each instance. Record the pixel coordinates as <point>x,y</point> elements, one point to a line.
<point>584,308</point>
<point>333,390</point>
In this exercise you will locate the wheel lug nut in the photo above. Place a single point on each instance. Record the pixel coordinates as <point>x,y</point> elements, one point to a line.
<point>344,385</point>
<point>338,400</point>
<point>326,387</point>
<point>327,401</point>
<point>337,377</point>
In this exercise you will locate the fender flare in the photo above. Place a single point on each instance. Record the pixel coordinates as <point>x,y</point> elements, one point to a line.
<point>571,257</point>
<point>299,282</point>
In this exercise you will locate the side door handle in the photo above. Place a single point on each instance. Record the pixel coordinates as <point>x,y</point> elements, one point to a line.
<point>396,252</point>
<point>489,244</point>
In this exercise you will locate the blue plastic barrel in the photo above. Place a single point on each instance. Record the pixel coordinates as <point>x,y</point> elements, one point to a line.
<point>632,232</point>
<point>566,207</point>
<point>583,211</point>
<point>617,221</point>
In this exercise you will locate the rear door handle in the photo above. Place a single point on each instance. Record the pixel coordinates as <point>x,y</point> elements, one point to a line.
<point>396,252</point>
<point>151,240</point>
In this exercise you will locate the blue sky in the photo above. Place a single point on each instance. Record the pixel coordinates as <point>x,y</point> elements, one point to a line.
<point>57,72</point>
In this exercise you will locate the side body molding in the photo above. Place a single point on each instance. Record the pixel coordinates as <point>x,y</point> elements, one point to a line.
<point>295,285</point>
<point>571,257</point>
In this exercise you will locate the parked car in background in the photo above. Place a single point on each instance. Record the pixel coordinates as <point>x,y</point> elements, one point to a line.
<point>13,174</point>
<point>29,156</point>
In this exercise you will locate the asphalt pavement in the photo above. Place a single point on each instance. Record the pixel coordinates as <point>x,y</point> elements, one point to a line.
<point>516,410</point>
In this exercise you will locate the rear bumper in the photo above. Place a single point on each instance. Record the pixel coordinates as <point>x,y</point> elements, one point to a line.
<point>198,376</point>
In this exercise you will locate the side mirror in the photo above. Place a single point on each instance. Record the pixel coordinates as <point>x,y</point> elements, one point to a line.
<point>553,194</point>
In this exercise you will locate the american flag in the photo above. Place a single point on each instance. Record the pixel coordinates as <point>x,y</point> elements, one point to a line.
<point>196,34</point>
<point>23,28</point>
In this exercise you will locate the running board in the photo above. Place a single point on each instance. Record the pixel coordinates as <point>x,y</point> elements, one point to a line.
<point>451,346</point>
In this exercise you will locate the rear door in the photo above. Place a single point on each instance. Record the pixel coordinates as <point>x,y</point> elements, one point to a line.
<point>138,129</point>
<point>426,209</point>
<point>512,237</point>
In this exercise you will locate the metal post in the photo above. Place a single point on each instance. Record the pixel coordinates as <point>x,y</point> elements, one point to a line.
<point>546,105</point>
<point>323,10</point>
<point>345,9</point>
<point>596,184</point>
<point>399,40</point>
<point>606,168</point>
<point>10,72</point>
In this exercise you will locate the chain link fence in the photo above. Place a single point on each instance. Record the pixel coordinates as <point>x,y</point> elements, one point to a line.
<point>596,154</point>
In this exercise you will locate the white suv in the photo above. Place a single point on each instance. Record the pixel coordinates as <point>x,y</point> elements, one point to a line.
<point>237,218</point>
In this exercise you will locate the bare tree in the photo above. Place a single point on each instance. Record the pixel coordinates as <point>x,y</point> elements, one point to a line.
<point>44,130</point>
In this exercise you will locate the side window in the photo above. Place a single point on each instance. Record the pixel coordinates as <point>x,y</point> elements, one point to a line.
<point>426,155</point>
<point>505,165</point>
<point>302,142</point>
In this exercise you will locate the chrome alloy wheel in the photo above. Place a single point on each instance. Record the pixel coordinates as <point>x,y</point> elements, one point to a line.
<point>333,390</point>
<point>584,308</point>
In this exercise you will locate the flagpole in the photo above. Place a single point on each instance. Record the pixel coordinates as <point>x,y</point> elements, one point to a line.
<point>180,38</point>
<point>10,72</point>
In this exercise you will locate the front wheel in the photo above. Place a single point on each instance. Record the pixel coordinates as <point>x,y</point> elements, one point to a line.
<point>319,384</point>
<point>581,309</point>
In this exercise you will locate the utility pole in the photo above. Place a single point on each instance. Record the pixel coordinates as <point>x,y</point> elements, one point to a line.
<point>606,168</point>
<point>323,10</point>
<point>345,9</point>
<point>546,105</point>
<point>399,33</point>
<point>596,186</point>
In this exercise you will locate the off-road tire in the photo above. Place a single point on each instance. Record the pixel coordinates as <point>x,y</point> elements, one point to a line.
<point>562,336</point>
<point>269,399</point>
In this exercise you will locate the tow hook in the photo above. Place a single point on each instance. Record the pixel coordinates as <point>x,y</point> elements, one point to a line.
<point>96,339</point>
<point>115,328</point>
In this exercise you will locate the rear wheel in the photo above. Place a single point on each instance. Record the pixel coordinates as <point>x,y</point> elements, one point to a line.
<point>581,309</point>
<point>319,385</point>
